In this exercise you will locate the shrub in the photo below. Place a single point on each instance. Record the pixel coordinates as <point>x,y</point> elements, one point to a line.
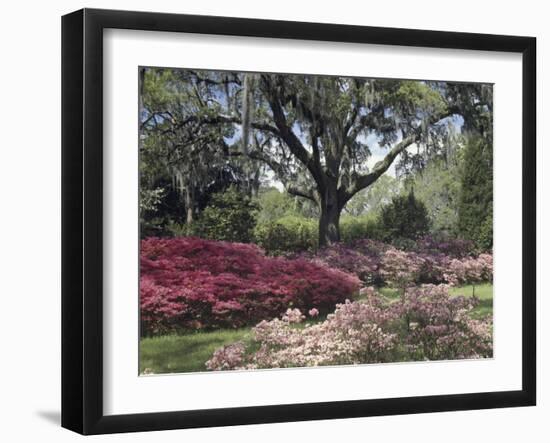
<point>361,258</point>
<point>293,233</point>
<point>359,227</point>
<point>345,258</point>
<point>181,229</point>
<point>351,335</point>
<point>377,263</point>
<point>403,243</point>
<point>288,234</point>
<point>428,324</point>
<point>400,269</point>
<point>439,326</point>
<point>275,205</point>
<point>230,216</point>
<point>404,217</point>
<point>443,244</point>
<point>470,270</point>
<point>196,283</point>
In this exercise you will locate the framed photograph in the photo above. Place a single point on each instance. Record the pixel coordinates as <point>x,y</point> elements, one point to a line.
<point>269,221</point>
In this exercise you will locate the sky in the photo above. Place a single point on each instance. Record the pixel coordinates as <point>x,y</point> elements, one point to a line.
<point>377,152</point>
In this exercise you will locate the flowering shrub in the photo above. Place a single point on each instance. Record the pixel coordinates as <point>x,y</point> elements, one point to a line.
<point>363,263</point>
<point>433,268</point>
<point>426,324</point>
<point>399,268</point>
<point>377,263</point>
<point>351,335</point>
<point>193,283</point>
<point>470,270</point>
<point>452,247</point>
<point>438,326</point>
<point>486,262</point>
<point>313,312</point>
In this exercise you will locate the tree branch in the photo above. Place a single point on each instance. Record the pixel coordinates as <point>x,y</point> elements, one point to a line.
<point>288,136</point>
<point>217,119</point>
<point>362,181</point>
<point>283,175</point>
<point>305,193</point>
<point>209,81</point>
<point>154,115</point>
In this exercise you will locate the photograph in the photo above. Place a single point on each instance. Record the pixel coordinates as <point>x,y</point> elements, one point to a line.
<point>293,220</point>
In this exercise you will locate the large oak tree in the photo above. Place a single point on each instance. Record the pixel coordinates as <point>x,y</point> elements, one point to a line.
<point>317,133</point>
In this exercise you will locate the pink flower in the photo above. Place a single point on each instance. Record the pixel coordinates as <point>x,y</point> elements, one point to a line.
<point>293,316</point>
<point>428,324</point>
<point>313,312</point>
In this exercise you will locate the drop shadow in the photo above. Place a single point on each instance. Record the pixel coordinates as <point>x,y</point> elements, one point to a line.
<point>53,417</point>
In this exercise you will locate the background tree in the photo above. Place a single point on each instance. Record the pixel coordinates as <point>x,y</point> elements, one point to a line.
<point>405,217</point>
<point>188,162</point>
<point>229,216</point>
<point>438,186</point>
<point>275,205</point>
<point>373,198</point>
<point>475,210</point>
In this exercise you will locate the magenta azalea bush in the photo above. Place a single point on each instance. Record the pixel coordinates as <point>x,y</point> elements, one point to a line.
<point>191,283</point>
<point>426,324</point>
<point>346,258</point>
<point>451,247</point>
<point>361,257</point>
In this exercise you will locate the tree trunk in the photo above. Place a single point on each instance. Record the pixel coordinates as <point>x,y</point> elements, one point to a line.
<point>189,205</point>
<point>329,222</point>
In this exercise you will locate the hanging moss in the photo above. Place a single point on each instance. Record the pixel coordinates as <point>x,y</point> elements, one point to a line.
<point>247,110</point>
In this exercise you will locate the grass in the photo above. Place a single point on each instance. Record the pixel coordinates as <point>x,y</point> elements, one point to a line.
<point>184,353</point>
<point>189,352</point>
<point>483,291</point>
<point>485,294</point>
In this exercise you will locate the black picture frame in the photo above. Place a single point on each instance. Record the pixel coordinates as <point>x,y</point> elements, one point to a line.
<point>82,215</point>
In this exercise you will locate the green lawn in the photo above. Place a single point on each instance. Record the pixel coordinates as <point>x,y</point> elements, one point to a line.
<point>184,353</point>
<point>485,294</point>
<point>189,352</point>
<point>483,291</point>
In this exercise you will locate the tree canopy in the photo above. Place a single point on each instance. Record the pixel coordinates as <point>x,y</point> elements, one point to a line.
<point>314,134</point>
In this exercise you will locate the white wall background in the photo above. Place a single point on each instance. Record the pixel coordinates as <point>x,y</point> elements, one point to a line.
<point>30,219</point>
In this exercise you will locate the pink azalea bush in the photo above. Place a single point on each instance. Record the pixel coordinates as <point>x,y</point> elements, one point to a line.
<point>353,334</point>
<point>470,270</point>
<point>378,263</point>
<point>399,268</point>
<point>313,312</point>
<point>194,283</point>
<point>427,324</point>
<point>439,326</point>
